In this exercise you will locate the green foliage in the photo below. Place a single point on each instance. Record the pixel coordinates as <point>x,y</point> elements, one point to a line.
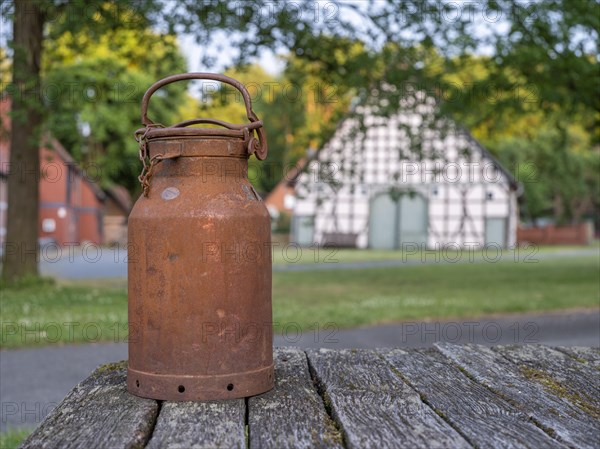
<point>12,438</point>
<point>543,67</point>
<point>5,68</point>
<point>94,86</point>
<point>554,48</point>
<point>557,169</point>
<point>226,103</point>
<point>284,223</point>
<point>299,109</point>
<point>551,150</point>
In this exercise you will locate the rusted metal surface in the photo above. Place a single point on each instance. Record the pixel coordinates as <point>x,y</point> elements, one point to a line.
<point>200,264</point>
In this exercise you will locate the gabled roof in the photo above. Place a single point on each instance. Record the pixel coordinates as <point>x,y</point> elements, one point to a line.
<point>512,182</point>
<point>63,154</point>
<point>47,142</point>
<point>121,197</point>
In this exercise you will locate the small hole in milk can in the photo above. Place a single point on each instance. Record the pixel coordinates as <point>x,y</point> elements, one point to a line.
<point>230,387</point>
<point>137,383</point>
<point>181,388</point>
<point>170,193</point>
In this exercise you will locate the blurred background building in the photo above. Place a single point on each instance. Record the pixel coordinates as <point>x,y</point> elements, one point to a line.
<point>73,207</point>
<point>372,190</point>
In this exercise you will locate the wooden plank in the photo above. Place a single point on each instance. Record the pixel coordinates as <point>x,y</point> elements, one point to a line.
<point>583,354</point>
<point>99,413</point>
<point>556,416</point>
<point>373,406</point>
<point>574,381</point>
<point>195,425</point>
<point>292,415</point>
<point>482,417</point>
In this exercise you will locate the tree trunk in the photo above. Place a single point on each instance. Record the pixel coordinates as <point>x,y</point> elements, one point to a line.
<point>20,257</point>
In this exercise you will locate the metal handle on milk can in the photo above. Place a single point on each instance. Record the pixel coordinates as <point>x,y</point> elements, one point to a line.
<point>256,147</point>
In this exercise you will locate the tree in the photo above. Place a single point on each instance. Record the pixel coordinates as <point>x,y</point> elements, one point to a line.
<point>533,102</point>
<point>29,32</point>
<point>19,258</point>
<point>557,183</point>
<point>550,46</point>
<point>551,150</point>
<point>20,253</point>
<point>300,109</point>
<point>95,85</point>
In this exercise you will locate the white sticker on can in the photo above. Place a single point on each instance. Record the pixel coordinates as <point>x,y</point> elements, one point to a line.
<point>170,193</point>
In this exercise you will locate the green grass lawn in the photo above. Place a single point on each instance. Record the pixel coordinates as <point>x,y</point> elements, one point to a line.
<point>62,312</point>
<point>283,255</point>
<point>97,310</point>
<point>352,298</point>
<point>12,438</point>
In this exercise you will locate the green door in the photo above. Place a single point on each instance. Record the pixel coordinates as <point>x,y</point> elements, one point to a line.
<point>495,231</point>
<point>394,223</point>
<point>303,230</point>
<point>382,222</point>
<point>413,220</point>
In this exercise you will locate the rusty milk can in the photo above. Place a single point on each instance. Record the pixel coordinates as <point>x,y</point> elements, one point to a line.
<point>199,260</point>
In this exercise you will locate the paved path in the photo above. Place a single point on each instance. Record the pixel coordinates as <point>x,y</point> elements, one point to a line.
<point>101,262</point>
<point>33,381</point>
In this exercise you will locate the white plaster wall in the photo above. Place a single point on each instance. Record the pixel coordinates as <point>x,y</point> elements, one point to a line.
<point>377,161</point>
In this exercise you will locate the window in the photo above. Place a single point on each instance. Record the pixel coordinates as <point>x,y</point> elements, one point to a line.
<point>289,201</point>
<point>48,225</point>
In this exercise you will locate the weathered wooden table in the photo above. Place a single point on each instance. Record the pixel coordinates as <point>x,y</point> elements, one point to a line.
<point>449,397</point>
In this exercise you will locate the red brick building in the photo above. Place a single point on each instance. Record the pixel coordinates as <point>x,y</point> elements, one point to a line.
<point>282,198</point>
<point>71,201</point>
<point>117,206</point>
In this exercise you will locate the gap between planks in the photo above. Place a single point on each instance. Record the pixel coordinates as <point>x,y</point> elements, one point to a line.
<point>159,405</point>
<point>327,405</point>
<point>374,406</point>
<point>247,422</point>
<point>559,418</point>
